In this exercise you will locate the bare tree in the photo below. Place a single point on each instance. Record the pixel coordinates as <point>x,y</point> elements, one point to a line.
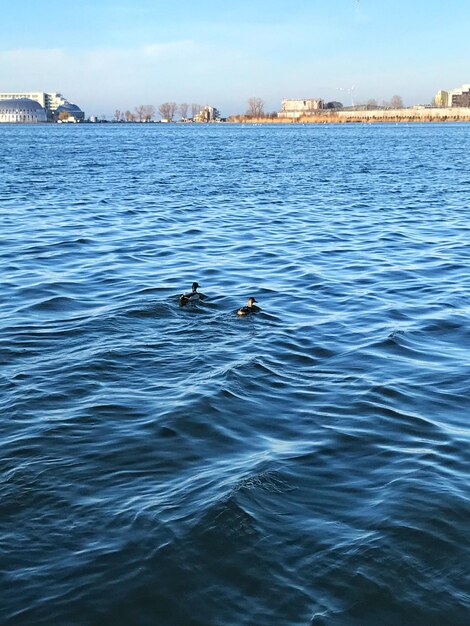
<point>385,104</point>
<point>117,115</point>
<point>372,103</point>
<point>195,108</point>
<point>167,110</point>
<point>396,102</point>
<point>130,117</point>
<point>173,109</point>
<point>183,109</point>
<point>140,110</point>
<point>148,111</point>
<point>255,107</point>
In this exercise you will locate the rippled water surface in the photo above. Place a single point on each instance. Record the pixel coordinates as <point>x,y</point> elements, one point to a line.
<point>179,466</point>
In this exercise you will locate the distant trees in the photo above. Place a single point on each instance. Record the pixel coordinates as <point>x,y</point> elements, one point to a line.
<point>372,103</point>
<point>149,112</point>
<point>255,107</point>
<point>183,110</point>
<point>195,108</point>
<point>167,110</point>
<point>396,102</point>
<point>140,112</point>
<point>145,112</point>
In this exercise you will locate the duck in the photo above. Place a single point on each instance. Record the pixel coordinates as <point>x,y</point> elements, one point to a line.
<point>250,308</point>
<point>194,296</point>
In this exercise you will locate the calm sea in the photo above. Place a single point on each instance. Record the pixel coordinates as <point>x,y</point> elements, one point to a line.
<point>168,466</point>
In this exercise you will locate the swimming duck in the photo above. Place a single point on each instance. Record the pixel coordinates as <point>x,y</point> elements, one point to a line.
<point>193,296</point>
<point>249,309</point>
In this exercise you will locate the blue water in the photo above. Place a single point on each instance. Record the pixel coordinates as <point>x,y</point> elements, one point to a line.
<point>183,467</point>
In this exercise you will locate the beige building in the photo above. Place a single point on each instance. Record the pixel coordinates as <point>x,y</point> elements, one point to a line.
<point>459,97</point>
<point>441,99</point>
<point>297,108</point>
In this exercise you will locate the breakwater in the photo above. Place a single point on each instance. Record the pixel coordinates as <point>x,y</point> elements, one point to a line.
<point>451,114</point>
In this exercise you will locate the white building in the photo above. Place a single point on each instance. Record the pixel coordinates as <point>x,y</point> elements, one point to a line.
<point>56,107</point>
<point>49,101</point>
<point>207,114</point>
<point>21,110</point>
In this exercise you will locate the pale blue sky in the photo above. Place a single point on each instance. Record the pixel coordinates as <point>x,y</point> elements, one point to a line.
<point>106,55</point>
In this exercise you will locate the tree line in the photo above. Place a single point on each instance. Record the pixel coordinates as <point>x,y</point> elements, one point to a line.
<point>396,102</point>
<point>167,111</point>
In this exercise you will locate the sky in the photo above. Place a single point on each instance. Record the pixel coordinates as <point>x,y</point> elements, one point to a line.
<point>117,54</point>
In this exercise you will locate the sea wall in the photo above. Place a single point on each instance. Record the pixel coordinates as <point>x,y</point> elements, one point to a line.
<point>454,114</point>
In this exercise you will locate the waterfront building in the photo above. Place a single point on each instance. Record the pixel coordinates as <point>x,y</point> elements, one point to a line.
<point>460,97</point>
<point>441,99</point>
<point>207,114</point>
<point>68,112</point>
<point>22,110</point>
<point>297,108</point>
<point>50,102</point>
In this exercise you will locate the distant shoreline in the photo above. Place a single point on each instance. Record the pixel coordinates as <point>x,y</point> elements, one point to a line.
<point>455,114</point>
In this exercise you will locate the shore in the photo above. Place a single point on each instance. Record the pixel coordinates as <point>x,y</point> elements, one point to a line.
<point>456,114</point>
